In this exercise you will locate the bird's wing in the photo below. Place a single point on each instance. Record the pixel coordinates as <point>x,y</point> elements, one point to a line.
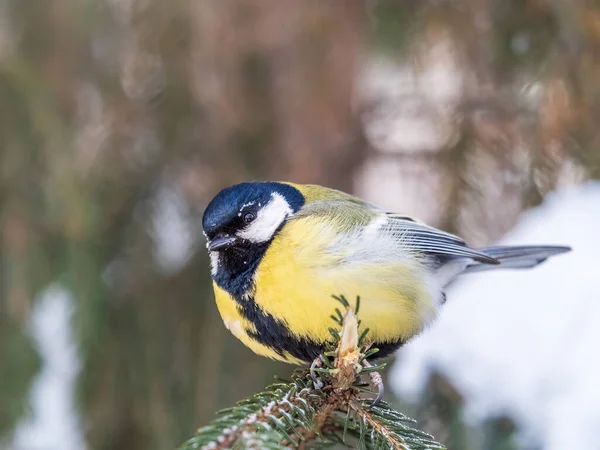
<point>352,217</point>
<point>342,211</point>
<point>423,238</point>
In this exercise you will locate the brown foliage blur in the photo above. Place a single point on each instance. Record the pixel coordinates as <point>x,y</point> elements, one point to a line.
<point>111,109</point>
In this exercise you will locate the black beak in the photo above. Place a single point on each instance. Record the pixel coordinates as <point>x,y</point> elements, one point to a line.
<point>220,242</point>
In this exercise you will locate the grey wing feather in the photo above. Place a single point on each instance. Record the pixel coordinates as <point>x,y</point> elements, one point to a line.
<point>519,257</point>
<point>429,240</point>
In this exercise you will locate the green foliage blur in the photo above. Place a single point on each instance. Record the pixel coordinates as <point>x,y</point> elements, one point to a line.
<point>112,109</point>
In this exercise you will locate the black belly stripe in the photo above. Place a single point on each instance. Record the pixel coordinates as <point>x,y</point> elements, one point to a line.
<point>274,333</point>
<point>236,277</point>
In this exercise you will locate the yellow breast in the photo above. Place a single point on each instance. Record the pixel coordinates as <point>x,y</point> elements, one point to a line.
<point>298,276</point>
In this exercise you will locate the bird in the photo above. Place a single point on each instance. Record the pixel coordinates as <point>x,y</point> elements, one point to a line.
<point>280,251</point>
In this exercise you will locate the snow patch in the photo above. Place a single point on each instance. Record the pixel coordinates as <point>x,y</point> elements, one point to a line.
<point>173,230</point>
<point>54,422</point>
<point>525,343</point>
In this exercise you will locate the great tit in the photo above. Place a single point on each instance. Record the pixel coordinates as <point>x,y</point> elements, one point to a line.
<point>280,251</point>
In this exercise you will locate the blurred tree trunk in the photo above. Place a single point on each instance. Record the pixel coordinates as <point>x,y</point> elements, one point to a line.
<point>276,80</point>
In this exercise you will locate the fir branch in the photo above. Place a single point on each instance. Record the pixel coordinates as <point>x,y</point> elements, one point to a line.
<point>296,414</point>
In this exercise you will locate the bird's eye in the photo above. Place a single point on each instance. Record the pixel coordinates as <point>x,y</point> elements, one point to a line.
<point>248,217</point>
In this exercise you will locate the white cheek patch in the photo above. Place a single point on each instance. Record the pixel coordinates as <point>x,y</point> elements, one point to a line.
<point>268,219</point>
<point>214,263</point>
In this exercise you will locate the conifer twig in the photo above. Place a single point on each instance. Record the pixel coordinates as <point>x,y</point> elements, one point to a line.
<point>296,414</point>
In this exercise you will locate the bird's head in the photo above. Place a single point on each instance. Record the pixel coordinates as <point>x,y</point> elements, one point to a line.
<point>242,219</point>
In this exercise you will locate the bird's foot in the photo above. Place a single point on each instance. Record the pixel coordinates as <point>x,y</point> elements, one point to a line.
<point>376,381</point>
<point>318,362</point>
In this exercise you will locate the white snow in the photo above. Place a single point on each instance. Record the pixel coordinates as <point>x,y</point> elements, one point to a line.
<point>172,230</point>
<point>54,423</point>
<point>526,343</point>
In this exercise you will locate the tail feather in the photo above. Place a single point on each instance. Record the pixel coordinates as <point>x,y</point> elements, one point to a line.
<point>517,257</point>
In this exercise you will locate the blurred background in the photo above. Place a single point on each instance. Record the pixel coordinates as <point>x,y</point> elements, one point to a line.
<point>120,119</point>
